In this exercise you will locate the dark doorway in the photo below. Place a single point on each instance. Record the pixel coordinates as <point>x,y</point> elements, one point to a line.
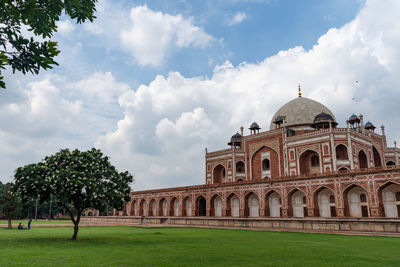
<point>362,160</point>
<point>377,157</point>
<point>201,206</point>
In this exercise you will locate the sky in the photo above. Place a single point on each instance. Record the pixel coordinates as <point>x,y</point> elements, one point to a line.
<point>154,83</point>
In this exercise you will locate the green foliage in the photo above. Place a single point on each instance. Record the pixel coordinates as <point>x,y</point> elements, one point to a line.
<point>40,17</point>
<point>9,203</point>
<point>78,180</point>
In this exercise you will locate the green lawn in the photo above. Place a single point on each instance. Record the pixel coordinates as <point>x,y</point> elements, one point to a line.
<point>125,246</point>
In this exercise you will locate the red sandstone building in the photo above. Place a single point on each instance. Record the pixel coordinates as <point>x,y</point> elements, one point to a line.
<point>304,166</point>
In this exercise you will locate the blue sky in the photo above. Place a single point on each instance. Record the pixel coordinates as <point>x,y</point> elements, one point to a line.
<point>153,83</point>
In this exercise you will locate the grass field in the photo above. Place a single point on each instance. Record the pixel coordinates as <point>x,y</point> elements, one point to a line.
<point>136,246</point>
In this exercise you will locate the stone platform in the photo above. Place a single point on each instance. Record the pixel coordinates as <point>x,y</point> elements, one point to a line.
<point>367,225</point>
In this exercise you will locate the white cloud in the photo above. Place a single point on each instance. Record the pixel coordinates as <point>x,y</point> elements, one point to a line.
<point>152,34</point>
<point>168,123</point>
<point>65,27</point>
<point>237,18</point>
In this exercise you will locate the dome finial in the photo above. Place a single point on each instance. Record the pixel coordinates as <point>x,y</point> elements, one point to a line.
<point>299,91</point>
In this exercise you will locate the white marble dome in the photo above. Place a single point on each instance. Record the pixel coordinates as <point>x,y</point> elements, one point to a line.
<point>300,112</point>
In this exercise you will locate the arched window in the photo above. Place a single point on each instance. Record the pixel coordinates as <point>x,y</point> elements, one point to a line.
<point>341,152</point>
<point>314,161</point>
<point>265,165</point>
<point>377,157</point>
<point>363,198</point>
<point>362,160</point>
<point>390,163</point>
<point>239,167</point>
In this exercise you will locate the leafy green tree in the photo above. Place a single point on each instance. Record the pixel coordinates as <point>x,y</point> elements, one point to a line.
<point>40,17</point>
<point>9,203</point>
<point>79,180</point>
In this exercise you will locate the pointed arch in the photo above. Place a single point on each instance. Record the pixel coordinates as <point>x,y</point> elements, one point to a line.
<point>252,205</point>
<point>187,206</point>
<point>377,157</point>
<point>133,211</point>
<point>232,205</point>
<point>324,202</point>
<point>389,199</point>
<point>264,163</point>
<point>218,174</point>
<point>201,206</point>
<point>216,205</point>
<point>309,162</point>
<point>356,203</point>
<point>341,152</point>
<point>297,203</point>
<point>152,207</point>
<point>163,207</point>
<point>362,159</point>
<point>273,202</point>
<point>143,208</point>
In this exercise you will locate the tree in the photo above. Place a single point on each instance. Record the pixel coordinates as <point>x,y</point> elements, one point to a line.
<point>78,180</point>
<point>40,17</point>
<point>9,203</point>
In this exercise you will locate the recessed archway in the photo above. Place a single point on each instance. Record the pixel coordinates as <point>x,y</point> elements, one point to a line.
<point>174,207</point>
<point>152,208</point>
<point>309,162</point>
<point>356,202</point>
<point>252,205</point>
<point>362,160</point>
<point>377,157</point>
<point>219,174</point>
<point>133,208</point>
<point>324,199</point>
<point>297,203</point>
<point>163,207</point>
<point>201,206</point>
<point>239,167</point>
<point>341,152</point>
<point>187,206</point>
<point>389,198</point>
<point>143,208</point>
<point>216,206</point>
<point>273,204</point>
<point>232,205</point>
<point>390,163</point>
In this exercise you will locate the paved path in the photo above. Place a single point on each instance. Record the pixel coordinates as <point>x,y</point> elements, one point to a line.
<point>358,233</point>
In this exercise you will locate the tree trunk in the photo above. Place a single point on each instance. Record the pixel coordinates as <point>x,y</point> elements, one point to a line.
<point>9,223</point>
<point>76,226</point>
<point>76,229</point>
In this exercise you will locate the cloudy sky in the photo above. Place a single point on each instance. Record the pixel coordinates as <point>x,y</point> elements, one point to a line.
<point>153,83</point>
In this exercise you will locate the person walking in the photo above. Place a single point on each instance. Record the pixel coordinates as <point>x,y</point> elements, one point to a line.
<point>29,224</point>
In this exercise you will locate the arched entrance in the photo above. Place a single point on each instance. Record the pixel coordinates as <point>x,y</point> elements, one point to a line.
<point>187,206</point>
<point>298,204</point>
<point>143,208</point>
<point>216,206</point>
<point>252,205</point>
<point>356,202</point>
<point>174,207</point>
<point>309,162</point>
<point>219,174</point>
<point>390,163</point>
<point>163,207</point>
<point>377,157</point>
<point>273,200</point>
<point>201,206</point>
<point>239,167</point>
<point>325,203</point>
<point>341,152</point>
<point>133,208</point>
<point>390,198</point>
<point>152,208</point>
<point>362,160</point>
<point>232,205</point>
